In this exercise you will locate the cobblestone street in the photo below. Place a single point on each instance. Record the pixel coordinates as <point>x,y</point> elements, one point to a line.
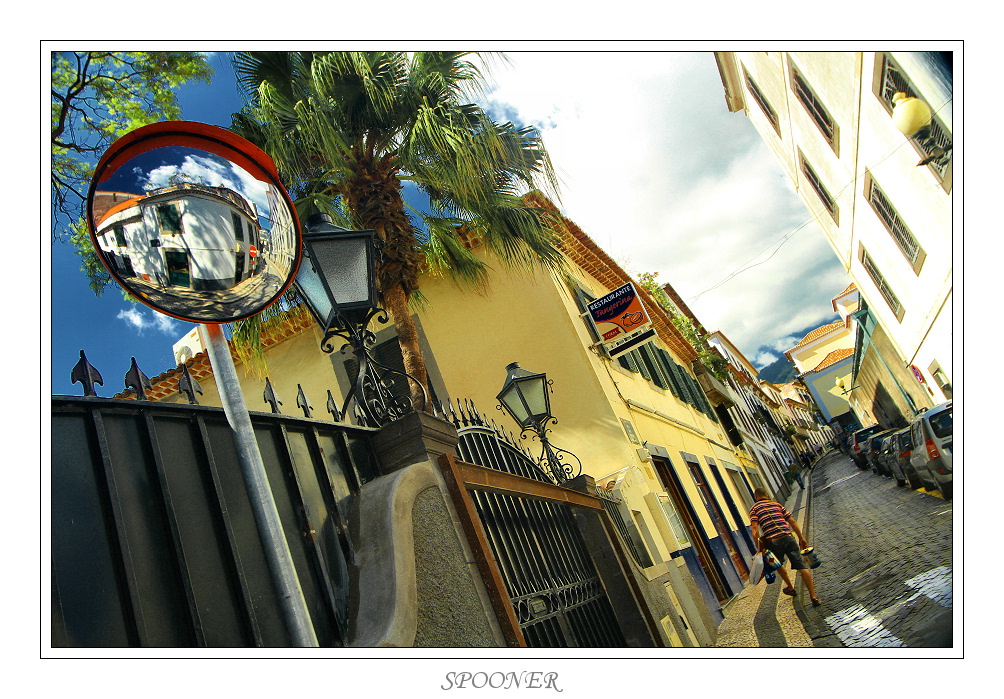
<point>887,574</point>
<point>886,577</point>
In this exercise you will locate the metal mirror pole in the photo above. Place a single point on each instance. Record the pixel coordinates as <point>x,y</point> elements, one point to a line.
<point>280,562</point>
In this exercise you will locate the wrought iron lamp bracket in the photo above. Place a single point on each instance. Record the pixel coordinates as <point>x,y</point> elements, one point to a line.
<point>552,460</point>
<point>375,403</point>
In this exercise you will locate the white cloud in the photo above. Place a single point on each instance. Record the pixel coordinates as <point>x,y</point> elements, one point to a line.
<point>142,321</point>
<point>215,172</point>
<point>661,175</point>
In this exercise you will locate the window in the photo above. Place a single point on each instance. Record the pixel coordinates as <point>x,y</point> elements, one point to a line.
<point>762,101</point>
<point>817,186</point>
<point>120,240</point>
<point>675,523</point>
<point>941,378</point>
<point>894,224</point>
<point>814,107</point>
<point>740,484</point>
<point>238,226</point>
<point>582,299</point>
<point>755,479</point>
<point>169,219</point>
<point>654,370</point>
<point>882,284</point>
<point>657,365</point>
<point>891,80</point>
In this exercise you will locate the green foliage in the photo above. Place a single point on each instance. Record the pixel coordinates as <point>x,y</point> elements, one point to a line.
<point>714,363</point>
<point>98,96</point>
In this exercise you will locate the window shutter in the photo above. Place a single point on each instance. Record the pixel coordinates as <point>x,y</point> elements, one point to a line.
<point>641,364</point>
<point>657,375</point>
<point>628,362</point>
<point>667,364</point>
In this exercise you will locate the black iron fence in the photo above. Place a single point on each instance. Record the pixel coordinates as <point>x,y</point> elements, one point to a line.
<point>153,537</point>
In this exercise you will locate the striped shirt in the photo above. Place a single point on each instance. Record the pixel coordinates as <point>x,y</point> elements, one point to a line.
<point>770,516</point>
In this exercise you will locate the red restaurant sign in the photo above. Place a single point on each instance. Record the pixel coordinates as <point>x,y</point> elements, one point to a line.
<point>619,313</point>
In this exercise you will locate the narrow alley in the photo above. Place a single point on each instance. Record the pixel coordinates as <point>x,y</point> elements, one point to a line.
<point>886,576</point>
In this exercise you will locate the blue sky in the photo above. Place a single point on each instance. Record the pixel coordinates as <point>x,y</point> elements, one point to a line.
<point>685,189</point>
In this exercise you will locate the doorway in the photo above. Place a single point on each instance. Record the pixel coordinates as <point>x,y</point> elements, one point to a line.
<point>178,272</point>
<point>688,516</point>
<point>721,525</point>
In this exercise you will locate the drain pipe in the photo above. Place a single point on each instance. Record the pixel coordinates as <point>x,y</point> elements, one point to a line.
<point>280,562</point>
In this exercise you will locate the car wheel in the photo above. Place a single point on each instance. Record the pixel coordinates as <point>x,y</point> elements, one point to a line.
<point>946,491</point>
<point>900,482</point>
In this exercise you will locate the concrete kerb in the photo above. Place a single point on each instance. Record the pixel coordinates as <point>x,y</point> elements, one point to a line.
<point>820,633</point>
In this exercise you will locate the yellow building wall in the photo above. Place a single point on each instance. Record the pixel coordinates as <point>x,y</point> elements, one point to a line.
<point>297,361</point>
<point>541,329</point>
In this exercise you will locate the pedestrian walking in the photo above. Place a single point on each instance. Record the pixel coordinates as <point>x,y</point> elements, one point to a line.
<point>796,470</point>
<point>775,530</point>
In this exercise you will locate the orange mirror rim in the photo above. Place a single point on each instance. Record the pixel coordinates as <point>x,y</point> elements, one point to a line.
<point>212,139</point>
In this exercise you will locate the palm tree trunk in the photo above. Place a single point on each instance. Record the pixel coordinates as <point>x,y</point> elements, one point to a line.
<point>374,197</point>
<point>396,302</point>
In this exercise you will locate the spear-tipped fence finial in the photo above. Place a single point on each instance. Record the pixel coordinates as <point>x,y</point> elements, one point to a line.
<point>137,380</point>
<point>332,408</point>
<point>188,385</point>
<point>302,402</point>
<point>86,375</point>
<point>270,397</point>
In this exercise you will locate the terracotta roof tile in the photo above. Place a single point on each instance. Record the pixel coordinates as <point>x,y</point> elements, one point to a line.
<point>287,325</point>
<point>834,357</point>
<point>819,332</point>
<point>851,287</point>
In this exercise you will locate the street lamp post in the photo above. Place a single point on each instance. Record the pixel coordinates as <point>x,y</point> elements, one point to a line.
<point>524,396</point>
<point>842,387</point>
<point>912,117</point>
<point>337,279</point>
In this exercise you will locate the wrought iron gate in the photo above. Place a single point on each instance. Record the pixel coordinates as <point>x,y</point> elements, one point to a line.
<point>557,595</point>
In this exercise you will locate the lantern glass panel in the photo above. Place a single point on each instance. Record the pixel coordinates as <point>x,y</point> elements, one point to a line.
<point>312,288</point>
<point>345,264</point>
<point>535,394</point>
<point>513,401</point>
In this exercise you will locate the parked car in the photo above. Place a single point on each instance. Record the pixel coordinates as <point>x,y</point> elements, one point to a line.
<point>857,443</point>
<point>873,451</point>
<point>889,454</point>
<point>899,460</point>
<point>931,433</point>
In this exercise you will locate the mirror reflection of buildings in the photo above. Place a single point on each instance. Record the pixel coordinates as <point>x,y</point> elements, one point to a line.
<point>185,235</point>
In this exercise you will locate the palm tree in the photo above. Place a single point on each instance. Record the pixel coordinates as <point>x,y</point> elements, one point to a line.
<point>347,130</point>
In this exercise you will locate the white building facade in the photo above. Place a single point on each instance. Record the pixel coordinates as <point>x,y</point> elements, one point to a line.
<point>192,236</point>
<point>827,118</point>
<point>759,431</point>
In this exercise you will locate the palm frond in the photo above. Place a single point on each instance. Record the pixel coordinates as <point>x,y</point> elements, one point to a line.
<point>247,334</point>
<point>446,254</point>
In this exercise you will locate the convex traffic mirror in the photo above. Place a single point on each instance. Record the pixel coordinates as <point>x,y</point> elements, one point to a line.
<point>193,221</point>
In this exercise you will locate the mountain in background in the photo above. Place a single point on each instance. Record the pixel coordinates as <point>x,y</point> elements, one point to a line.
<point>780,371</point>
